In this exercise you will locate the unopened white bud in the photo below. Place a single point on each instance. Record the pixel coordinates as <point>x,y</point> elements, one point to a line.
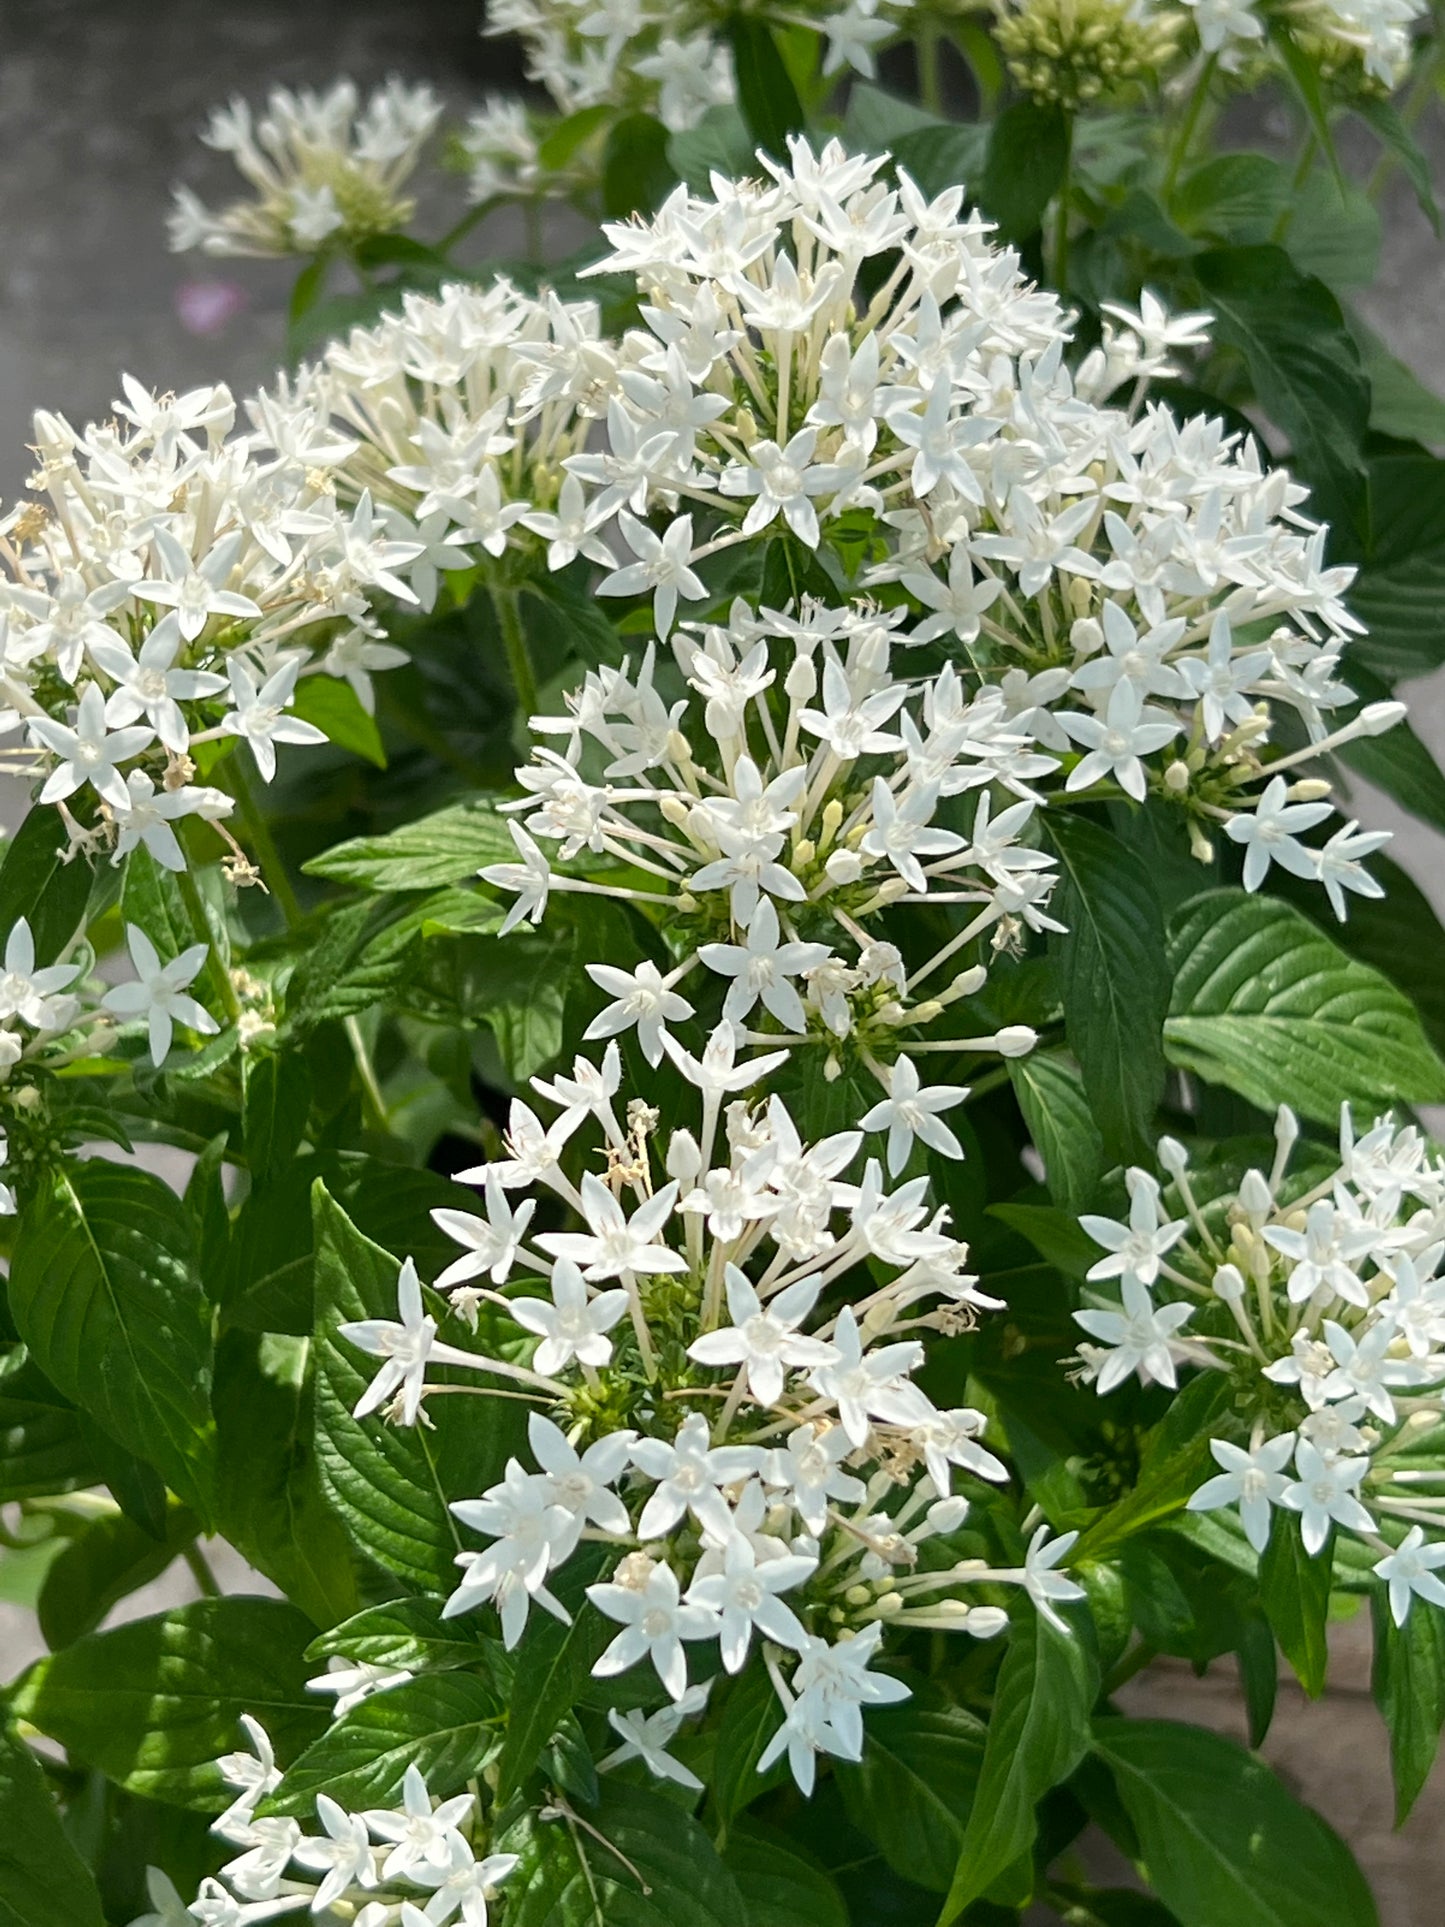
<point>844,866</point>
<point>985,1622</point>
<point>1255,1199</point>
<point>1173,1156</point>
<point>1176,777</point>
<point>1015,1040</point>
<point>1086,636</point>
<point>801,681</point>
<point>676,809</point>
<point>1375,718</point>
<point>1286,1130</point>
<point>1309,789</point>
<point>684,1159</point>
<point>948,1514</point>
<point>1229,1284</point>
<point>968,981</point>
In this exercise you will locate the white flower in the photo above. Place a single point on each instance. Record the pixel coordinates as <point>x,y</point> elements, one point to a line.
<point>902,835</point>
<point>662,566</point>
<point>406,1346</point>
<point>260,715</point>
<point>151,685</point>
<point>1139,1246</point>
<point>148,814</point>
<point>531,1534</point>
<point>641,997</point>
<point>1116,741</point>
<point>1046,1586</point>
<point>744,1594</point>
<point>613,1243</point>
<point>491,1243</point>
<point>344,1854</point>
<point>647,1736</point>
<point>655,1622</point>
<point>1268,834</point>
<point>461,1885</point>
<point>255,1774</point>
<point>909,1111</point>
<point>1253,1480</point>
<point>530,879</point>
<point>1325,1494</point>
<point>160,994</point>
<point>761,968</point>
<point>833,1684</point>
<point>581,1482</point>
<point>195,589</point>
<point>1138,1339</point>
<point>865,1386</point>
<point>809,1469</point>
<point>88,753</point>
<point>419,1833</point>
<point>690,1473</point>
<point>353,1680</point>
<point>782,482</point>
<point>25,991</point>
<point>574,1325</point>
<point>960,606</point>
<point>1410,1570</point>
<point>1340,868</point>
<point>764,1340</point>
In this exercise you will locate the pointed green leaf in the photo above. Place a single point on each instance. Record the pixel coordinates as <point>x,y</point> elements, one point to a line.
<point>43,1880</point>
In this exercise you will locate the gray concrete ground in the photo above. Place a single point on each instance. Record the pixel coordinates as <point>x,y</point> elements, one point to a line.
<point>100,101</point>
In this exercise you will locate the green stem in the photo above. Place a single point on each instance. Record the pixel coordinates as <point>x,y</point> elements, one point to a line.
<point>464,227</point>
<point>201,924</point>
<point>1134,1661</point>
<point>1184,140</point>
<point>263,844</point>
<point>1301,174</point>
<point>509,621</point>
<point>1061,229</point>
<point>930,67</point>
<point>201,1572</point>
<point>373,1101</point>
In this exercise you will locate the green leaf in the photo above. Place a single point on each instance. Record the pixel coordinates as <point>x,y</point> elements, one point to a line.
<point>1113,976</point>
<point>153,1704</point>
<point>333,706</point>
<point>38,883</point>
<point>276,1105</point>
<point>1222,1839</point>
<point>1176,1460</point>
<point>719,142</point>
<point>1302,360</point>
<point>1267,1006</point>
<point>647,1864</point>
<point>445,1724</point>
<point>1399,593</point>
<point>1401,406</point>
<point>915,1785</point>
<point>406,1633</point>
<point>1028,154</point>
<point>637,175</point>
<point>1061,1123</point>
<point>104,1291</point>
<point>1305,79</point>
<point>1294,1589</point>
<point>1038,1733</point>
<point>557,148</point>
<point>748,1718</point>
<point>43,1880</point>
<point>779,1887</point>
<point>43,1449</point>
<point>269,1499</point>
<point>1333,232</point>
<point>766,93</point>
<point>1409,1687</point>
<point>109,1558</point>
<point>552,1663</point>
<point>1383,119</point>
<point>447,847</point>
<point>390,1484</point>
<point>940,157</point>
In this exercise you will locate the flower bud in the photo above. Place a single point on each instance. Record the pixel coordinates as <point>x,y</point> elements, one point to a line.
<point>1015,1040</point>
<point>844,866</point>
<point>1173,1156</point>
<point>1375,718</point>
<point>1229,1284</point>
<point>1176,777</point>
<point>985,1622</point>
<point>801,681</point>
<point>1309,789</point>
<point>684,1159</point>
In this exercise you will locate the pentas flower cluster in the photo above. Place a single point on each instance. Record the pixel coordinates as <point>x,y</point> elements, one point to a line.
<point>458,415</point>
<point>672,61</point>
<point>1360,45</point>
<point>324,170</point>
<point>1325,1306</point>
<point>722,1359</point>
<point>771,833</point>
<point>412,1865</point>
<point>167,588</point>
<point>1134,601</point>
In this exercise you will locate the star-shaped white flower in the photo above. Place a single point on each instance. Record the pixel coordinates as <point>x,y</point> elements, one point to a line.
<point>575,1325</point>
<point>159,994</point>
<point>909,1111</point>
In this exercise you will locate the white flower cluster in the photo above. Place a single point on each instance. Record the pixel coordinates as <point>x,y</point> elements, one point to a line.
<point>1326,1307</point>
<point>1131,601</point>
<point>412,1865</point>
<point>457,414</point>
<point>323,170</point>
<point>1371,37</point>
<point>729,1393</point>
<point>165,590</point>
<point>673,61</point>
